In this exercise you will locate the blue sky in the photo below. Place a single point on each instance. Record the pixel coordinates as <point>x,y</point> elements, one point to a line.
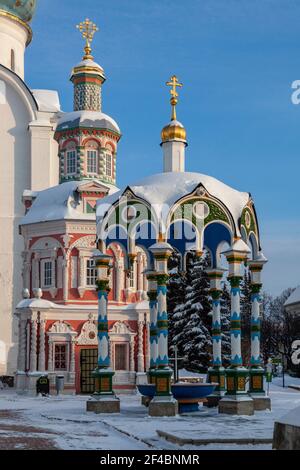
<point>237,60</point>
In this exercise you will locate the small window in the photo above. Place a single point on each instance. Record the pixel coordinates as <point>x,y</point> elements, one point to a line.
<point>131,277</point>
<point>12,60</point>
<point>60,357</point>
<point>108,164</point>
<point>48,274</point>
<point>91,273</point>
<point>92,161</point>
<point>81,98</point>
<point>71,162</point>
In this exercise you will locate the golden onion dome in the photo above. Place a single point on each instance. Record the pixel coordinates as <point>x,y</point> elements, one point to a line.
<point>173,131</point>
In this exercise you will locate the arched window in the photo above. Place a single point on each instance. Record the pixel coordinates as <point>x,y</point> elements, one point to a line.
<point>12,60</point>
<point>71,162</point>
<point>92,161</point>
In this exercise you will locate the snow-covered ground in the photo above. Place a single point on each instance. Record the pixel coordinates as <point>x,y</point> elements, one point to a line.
<point>63,423</point>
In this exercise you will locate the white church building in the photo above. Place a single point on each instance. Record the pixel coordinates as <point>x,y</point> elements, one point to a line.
<point>28,160</point>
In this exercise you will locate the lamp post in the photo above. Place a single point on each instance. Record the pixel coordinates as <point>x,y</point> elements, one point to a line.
<point>163,404</point>
<point>256,371</point>
<point>103,400</point>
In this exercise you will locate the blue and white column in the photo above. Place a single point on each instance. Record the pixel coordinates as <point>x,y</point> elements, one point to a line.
<point>236,373</point>
<point>235,322</point>
<point>216,373</point>
<point>103,373</point>
<point>162,322</point>
<point>163,399</point>
<point>103,339</point>
<point>152,295</point>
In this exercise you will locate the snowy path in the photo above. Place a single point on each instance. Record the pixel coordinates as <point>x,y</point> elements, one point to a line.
<point>62,422</point>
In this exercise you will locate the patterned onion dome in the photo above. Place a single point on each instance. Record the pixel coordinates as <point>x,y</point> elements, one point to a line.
<point>173,131</point>
<point>23,9</point>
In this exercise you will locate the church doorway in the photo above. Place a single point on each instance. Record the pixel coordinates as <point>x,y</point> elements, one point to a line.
<point>121,356</point>
<point>88,362</point>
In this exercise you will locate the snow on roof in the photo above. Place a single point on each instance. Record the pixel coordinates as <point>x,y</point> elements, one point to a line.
<point>93,119</point>
<point>47,100</point>
<point>162,190</point>
<point>292,418</point>
<point>59,203</point>
<point>160,245</point>
<point>294,298</point>
<point>35,303</point>
<point>88,63</point>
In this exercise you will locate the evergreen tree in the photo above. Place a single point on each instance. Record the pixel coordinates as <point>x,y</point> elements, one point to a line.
<point>195,337</point>
<point>175,299</point>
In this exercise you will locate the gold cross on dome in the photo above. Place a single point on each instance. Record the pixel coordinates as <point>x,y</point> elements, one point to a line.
<point>87,29</point>
<point>174,83</point>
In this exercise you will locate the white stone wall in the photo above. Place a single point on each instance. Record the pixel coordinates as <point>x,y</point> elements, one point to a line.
<point>13,36</point>
<point>14,178</point>
<point>27,161</point>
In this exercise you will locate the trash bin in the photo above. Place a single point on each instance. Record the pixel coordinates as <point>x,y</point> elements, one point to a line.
<point>59,383</point>
<point>42,385</point>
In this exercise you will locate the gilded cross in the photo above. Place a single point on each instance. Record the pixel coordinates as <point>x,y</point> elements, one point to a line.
<point>174,83</point>
<point>87,29</point>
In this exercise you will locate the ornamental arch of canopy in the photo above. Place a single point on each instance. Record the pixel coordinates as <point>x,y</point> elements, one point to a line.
<point>46,244</point>
<point>87,242</point>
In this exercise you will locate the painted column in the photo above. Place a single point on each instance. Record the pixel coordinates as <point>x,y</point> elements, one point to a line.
<point>139,268</point>
<point>33,344</point>
<point>42,358</point>
<point>162,374</point>
<point>131,358</point>
<point>256,385</point>
<point>216,373</point>
<point>147,346</point>
<point>36,271</point>
<point>65,265</point>
<point>72,359</point>
<point>235,322</point>
<point>50,355</point>
<point>162,321</point>
<point>152,295</point>
<point>236,374</point>
<point>119,267</point>
<point>103,373</point>
<point>103,340</point>
<point>22,345</point>
<point>141,358</point>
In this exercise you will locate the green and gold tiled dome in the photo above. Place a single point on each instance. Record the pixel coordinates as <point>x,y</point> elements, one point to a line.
<point>23,9</point>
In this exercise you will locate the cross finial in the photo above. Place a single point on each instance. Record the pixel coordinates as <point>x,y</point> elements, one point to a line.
<point>87,29</point>
<point>174,83</point>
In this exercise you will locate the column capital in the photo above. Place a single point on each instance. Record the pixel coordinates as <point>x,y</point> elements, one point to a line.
<point>162,278</point>
<point>256,288</point>
<point>235,281</point>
